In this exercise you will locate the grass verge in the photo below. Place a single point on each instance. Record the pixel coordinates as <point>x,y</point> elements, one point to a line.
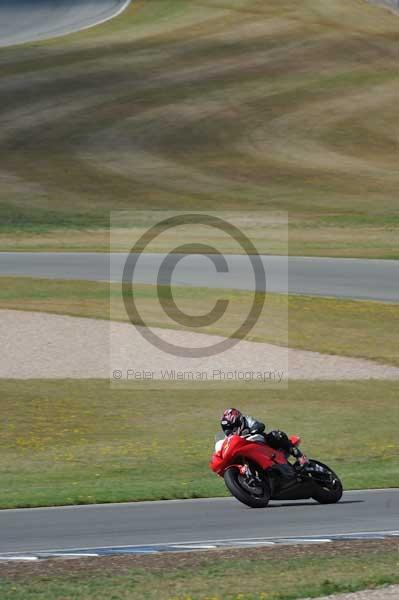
<point>71,442</point>
<point>285,573</point>
<point>333,326</point>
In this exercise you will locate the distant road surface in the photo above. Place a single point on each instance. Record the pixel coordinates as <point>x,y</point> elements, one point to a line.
<point>336,277</point>
<point>32,20</point>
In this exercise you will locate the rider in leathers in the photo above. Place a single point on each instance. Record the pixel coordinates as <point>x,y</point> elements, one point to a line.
<point>233,421</point>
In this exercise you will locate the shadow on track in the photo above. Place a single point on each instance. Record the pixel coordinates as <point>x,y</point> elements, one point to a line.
<point>294,504</point>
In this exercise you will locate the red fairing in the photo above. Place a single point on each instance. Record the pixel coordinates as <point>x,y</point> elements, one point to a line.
<point>235,446</point>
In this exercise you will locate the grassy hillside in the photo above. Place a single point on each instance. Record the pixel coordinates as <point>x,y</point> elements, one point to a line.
<point>221,103</point>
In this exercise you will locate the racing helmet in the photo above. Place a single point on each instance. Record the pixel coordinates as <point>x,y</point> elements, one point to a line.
<point>231,420</point>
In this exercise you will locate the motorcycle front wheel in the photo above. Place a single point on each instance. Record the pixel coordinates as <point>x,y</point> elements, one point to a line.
<point>256,495</point>
<point>327,485</point>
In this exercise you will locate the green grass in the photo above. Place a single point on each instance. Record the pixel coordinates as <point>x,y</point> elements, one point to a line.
<point>218,105</point>
<point>333,326</point>
<point>74,441</point>
<point>264,574</point>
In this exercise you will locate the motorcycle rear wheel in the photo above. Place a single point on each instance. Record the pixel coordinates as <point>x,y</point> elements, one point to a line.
<point>232,481</point>
<point>327,493</point>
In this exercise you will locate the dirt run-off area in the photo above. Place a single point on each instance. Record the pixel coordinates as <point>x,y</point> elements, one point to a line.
<point>40,345</point>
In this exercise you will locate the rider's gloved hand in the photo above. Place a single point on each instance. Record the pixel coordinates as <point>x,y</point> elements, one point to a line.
<point>303,460</point>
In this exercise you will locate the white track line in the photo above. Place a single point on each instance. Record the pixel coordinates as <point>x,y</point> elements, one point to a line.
<point>101,21</point>
<point>195,545</point>
<point>329,536</point>
<point>24,558</point>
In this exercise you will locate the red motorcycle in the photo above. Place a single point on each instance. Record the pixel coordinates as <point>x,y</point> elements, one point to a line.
<point>255,473</point>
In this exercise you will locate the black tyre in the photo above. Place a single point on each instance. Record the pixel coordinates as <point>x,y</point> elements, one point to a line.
<point>255,496</point>
<point>327,485</point>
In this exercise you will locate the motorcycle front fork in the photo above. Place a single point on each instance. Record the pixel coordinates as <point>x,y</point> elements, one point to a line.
<point>245,471</point>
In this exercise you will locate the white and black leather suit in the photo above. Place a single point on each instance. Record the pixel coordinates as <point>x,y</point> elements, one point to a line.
<point>254,431</point>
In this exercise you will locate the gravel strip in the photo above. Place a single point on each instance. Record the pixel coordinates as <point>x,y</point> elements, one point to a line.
<point>383,593</point>
<point>40,345</point>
